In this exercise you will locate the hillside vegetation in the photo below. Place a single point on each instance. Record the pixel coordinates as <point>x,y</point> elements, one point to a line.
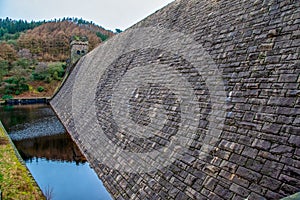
<point>34,55</point>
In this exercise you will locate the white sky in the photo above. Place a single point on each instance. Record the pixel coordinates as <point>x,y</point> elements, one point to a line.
<point>110,14</point>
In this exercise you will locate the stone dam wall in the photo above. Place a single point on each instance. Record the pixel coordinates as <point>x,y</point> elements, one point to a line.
<point>198,101</point>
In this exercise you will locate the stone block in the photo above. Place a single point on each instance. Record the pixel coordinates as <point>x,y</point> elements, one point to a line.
<point>289,180</point>
<point>261,144</point>
<point>248,174</point>
<point>292,78</point>
<point>223,192</point>
<point>272,168</point>
<point>230,146</point>
<point>239,190</point>
<point>254,196</point>
<point>273,195</point>
<point>271,128</point>
<point>238,159</point>
<point>254,165</point>
<point>288,190</point>
<point>272,59</point>
<point>292,171</point>
<point>281,101</point>
<point>270,183</point>
<point>280,149</point>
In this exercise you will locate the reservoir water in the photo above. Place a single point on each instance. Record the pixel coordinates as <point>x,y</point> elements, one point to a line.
<point>53,159</point>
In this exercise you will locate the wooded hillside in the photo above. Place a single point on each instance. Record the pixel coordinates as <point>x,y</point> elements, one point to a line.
<point>34,55</point>
<point>50,41</point>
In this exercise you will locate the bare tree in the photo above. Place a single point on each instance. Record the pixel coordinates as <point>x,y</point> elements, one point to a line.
<point>49,194</point>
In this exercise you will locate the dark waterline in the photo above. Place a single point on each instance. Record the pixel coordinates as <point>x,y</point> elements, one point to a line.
<point>52,157</point>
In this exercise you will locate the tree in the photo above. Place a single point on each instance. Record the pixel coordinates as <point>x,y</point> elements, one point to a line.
<point>118,30</point>
<point>7,52</point>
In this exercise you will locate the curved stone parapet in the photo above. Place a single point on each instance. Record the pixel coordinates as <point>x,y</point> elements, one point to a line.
<point>198,101</point>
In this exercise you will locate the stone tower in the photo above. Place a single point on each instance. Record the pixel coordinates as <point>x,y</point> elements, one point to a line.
<point>78,49</point>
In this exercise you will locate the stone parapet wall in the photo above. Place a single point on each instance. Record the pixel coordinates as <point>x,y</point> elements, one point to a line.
<point>198,101</point>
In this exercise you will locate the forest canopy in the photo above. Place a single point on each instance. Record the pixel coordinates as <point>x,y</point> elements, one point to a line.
<point>34,55</point>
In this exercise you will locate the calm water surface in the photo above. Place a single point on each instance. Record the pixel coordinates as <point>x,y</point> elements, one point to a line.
<point>52,157</point>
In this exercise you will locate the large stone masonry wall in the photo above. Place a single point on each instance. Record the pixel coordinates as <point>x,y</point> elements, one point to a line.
<point>198,101</point>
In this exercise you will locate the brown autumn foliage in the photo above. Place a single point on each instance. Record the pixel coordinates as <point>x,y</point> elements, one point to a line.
<point>51,41</point>
<point>7,52</point>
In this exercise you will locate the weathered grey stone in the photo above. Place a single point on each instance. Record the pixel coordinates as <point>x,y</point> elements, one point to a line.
<point>255,196</point>
<point>271,128</point>
<point>230,146</point>
<point>288,78</point>
<point>272,59</point>
<point>181,195</point>
<point>235,158</point>
<point>254,165</point>
<point>223,192</point>
<point>188,159</point>
<point>287,190</point>
<point>280,149</point>
<point>291,129</point>
<point>261,144</point>
<point>272,168</point>
<point>266,155</point>
<point>210,169</point>
<point>281,101</point>
<point>289,180</point>
<point>295,140</point>
<point>173,192</point>
<point>257,188</point>
<point>239,190</point>
<point>190,179</point>
<point>292,171</point>
<point>273,195</point>
<point>270,183</point>
<point>241,181</point>
<point>248,174</point>
<point>266,46</point>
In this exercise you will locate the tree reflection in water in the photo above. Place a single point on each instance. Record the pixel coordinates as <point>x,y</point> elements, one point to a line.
<point>55,147</point>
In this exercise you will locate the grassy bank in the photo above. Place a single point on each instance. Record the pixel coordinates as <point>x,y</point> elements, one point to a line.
<point>15,179</point>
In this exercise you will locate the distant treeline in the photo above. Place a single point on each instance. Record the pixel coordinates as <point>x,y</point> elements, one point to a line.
<point>10,29</point>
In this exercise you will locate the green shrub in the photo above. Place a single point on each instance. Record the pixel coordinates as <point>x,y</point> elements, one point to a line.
<point>12,80</point>
<point>40,89</point>
<point>16,85</point>
<point>103,37</point>
<point>5,97</point>
<point>8,91</point>
<point>22,62</point>
<point>17,92</point>
<point>55,76</point>
<point>56,68</point>
<point>64,66</point>
<point>23,87</point>
<point>48,79</point>
<point>4,66</point>
<point>38,76</point>
<point>54,71</point>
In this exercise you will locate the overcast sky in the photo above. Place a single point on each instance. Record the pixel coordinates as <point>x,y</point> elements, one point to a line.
<point>110,14</point>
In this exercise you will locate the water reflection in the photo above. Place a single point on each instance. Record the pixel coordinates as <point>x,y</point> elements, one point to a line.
<point>55,148</point>
<point>52,157</point>
<point>14,116</point>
